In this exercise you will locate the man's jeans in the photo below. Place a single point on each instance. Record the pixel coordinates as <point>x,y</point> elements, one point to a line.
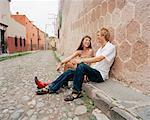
<point>78,76</point>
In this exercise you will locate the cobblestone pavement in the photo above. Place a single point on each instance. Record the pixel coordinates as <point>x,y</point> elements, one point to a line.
<point>17,91</point>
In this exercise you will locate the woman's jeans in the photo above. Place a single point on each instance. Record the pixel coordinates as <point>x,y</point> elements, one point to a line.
<point>78,76</point>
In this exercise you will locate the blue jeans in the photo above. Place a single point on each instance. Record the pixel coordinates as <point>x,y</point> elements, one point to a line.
<point>78,76</point>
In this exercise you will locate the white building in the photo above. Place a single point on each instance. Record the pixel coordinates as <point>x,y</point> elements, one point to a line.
<point>8,26</point>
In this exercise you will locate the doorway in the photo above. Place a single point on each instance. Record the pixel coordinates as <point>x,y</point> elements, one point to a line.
<point>31,45</point>
<point>3,45</point>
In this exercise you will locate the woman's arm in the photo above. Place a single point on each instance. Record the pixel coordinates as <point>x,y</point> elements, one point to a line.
<point>92,53</point>
<point>76,53</point>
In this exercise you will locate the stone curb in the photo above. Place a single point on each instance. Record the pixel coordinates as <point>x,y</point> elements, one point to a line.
<point>13,54</point>
<point>108,105</point>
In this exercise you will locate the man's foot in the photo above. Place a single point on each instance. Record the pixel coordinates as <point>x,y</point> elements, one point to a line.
<point>39,83</point>
<point>73,96</point>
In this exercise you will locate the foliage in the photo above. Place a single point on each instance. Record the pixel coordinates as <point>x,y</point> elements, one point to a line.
<point>14,55</point>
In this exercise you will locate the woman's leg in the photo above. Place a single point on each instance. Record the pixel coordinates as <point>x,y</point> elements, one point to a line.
<point>41,84</point>
<point>63,78</point>
<point>69,65</point>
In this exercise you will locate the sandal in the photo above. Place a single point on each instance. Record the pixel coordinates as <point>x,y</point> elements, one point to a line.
<point>41,91</point>
<point>73,96</point>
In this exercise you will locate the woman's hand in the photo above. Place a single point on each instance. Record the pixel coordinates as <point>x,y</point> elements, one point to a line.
<point>58,66</point>
<point>76,61</point>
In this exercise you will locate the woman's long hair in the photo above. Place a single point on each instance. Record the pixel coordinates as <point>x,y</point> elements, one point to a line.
<point>81,44</point>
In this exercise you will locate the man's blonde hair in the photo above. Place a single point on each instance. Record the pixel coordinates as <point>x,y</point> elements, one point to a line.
<point>105,32</point>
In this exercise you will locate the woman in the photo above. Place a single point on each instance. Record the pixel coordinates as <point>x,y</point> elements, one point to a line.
<point>84,51</point>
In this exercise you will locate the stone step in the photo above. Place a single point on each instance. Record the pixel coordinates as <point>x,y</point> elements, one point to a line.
<point>110,107</point>
<point>98,115</point>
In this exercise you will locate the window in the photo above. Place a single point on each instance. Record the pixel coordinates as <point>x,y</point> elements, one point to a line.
<point>20,41</point>
<point>16,42</point>
<point>58,33</point>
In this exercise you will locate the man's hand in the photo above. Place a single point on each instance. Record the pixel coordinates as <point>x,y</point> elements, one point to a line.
<point>58,66</point>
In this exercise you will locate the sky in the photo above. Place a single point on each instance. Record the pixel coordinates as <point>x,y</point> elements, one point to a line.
<point>41,12</point>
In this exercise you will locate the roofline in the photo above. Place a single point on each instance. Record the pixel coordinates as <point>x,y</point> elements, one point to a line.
<point>3,25</point>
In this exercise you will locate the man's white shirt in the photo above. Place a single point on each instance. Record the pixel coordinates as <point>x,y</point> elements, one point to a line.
<point>109,52</point>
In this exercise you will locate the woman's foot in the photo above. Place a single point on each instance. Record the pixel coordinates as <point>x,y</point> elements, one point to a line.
<point>45,91</point>
<point>39,83</point>
<point>41,91</point>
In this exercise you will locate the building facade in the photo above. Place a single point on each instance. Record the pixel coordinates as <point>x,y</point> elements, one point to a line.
<point>42,38</point>
<point>11,32</point>
<point>51,43</point>
<point>34,36</point>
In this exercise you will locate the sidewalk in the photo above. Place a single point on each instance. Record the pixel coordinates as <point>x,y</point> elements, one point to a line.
<point>13,55</point>
<point>117,101</point>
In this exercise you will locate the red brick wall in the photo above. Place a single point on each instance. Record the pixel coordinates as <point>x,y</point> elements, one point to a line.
<point>42,40</point>
<point>19,18</point>
<point>11,45</point>
<point>31,33</point>
<point>34,36</point>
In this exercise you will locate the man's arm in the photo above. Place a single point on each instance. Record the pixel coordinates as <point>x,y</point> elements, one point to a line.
<point>92,60</point>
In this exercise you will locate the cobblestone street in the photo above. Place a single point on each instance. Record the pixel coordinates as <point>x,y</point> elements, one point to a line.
<point>105,41</point>
<point>17,88</point>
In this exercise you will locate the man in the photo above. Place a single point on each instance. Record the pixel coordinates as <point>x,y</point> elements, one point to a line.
<point>97,73</point>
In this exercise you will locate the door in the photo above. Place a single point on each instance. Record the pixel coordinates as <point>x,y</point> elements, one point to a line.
<point>31,45</point>
<point>2,42</point>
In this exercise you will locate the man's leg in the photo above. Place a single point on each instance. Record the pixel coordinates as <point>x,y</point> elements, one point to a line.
<point>61,80</point>
<point>81,70</point>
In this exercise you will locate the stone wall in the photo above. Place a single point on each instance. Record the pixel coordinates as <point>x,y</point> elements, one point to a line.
<point>129,23</point>
<point>4,12</point>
